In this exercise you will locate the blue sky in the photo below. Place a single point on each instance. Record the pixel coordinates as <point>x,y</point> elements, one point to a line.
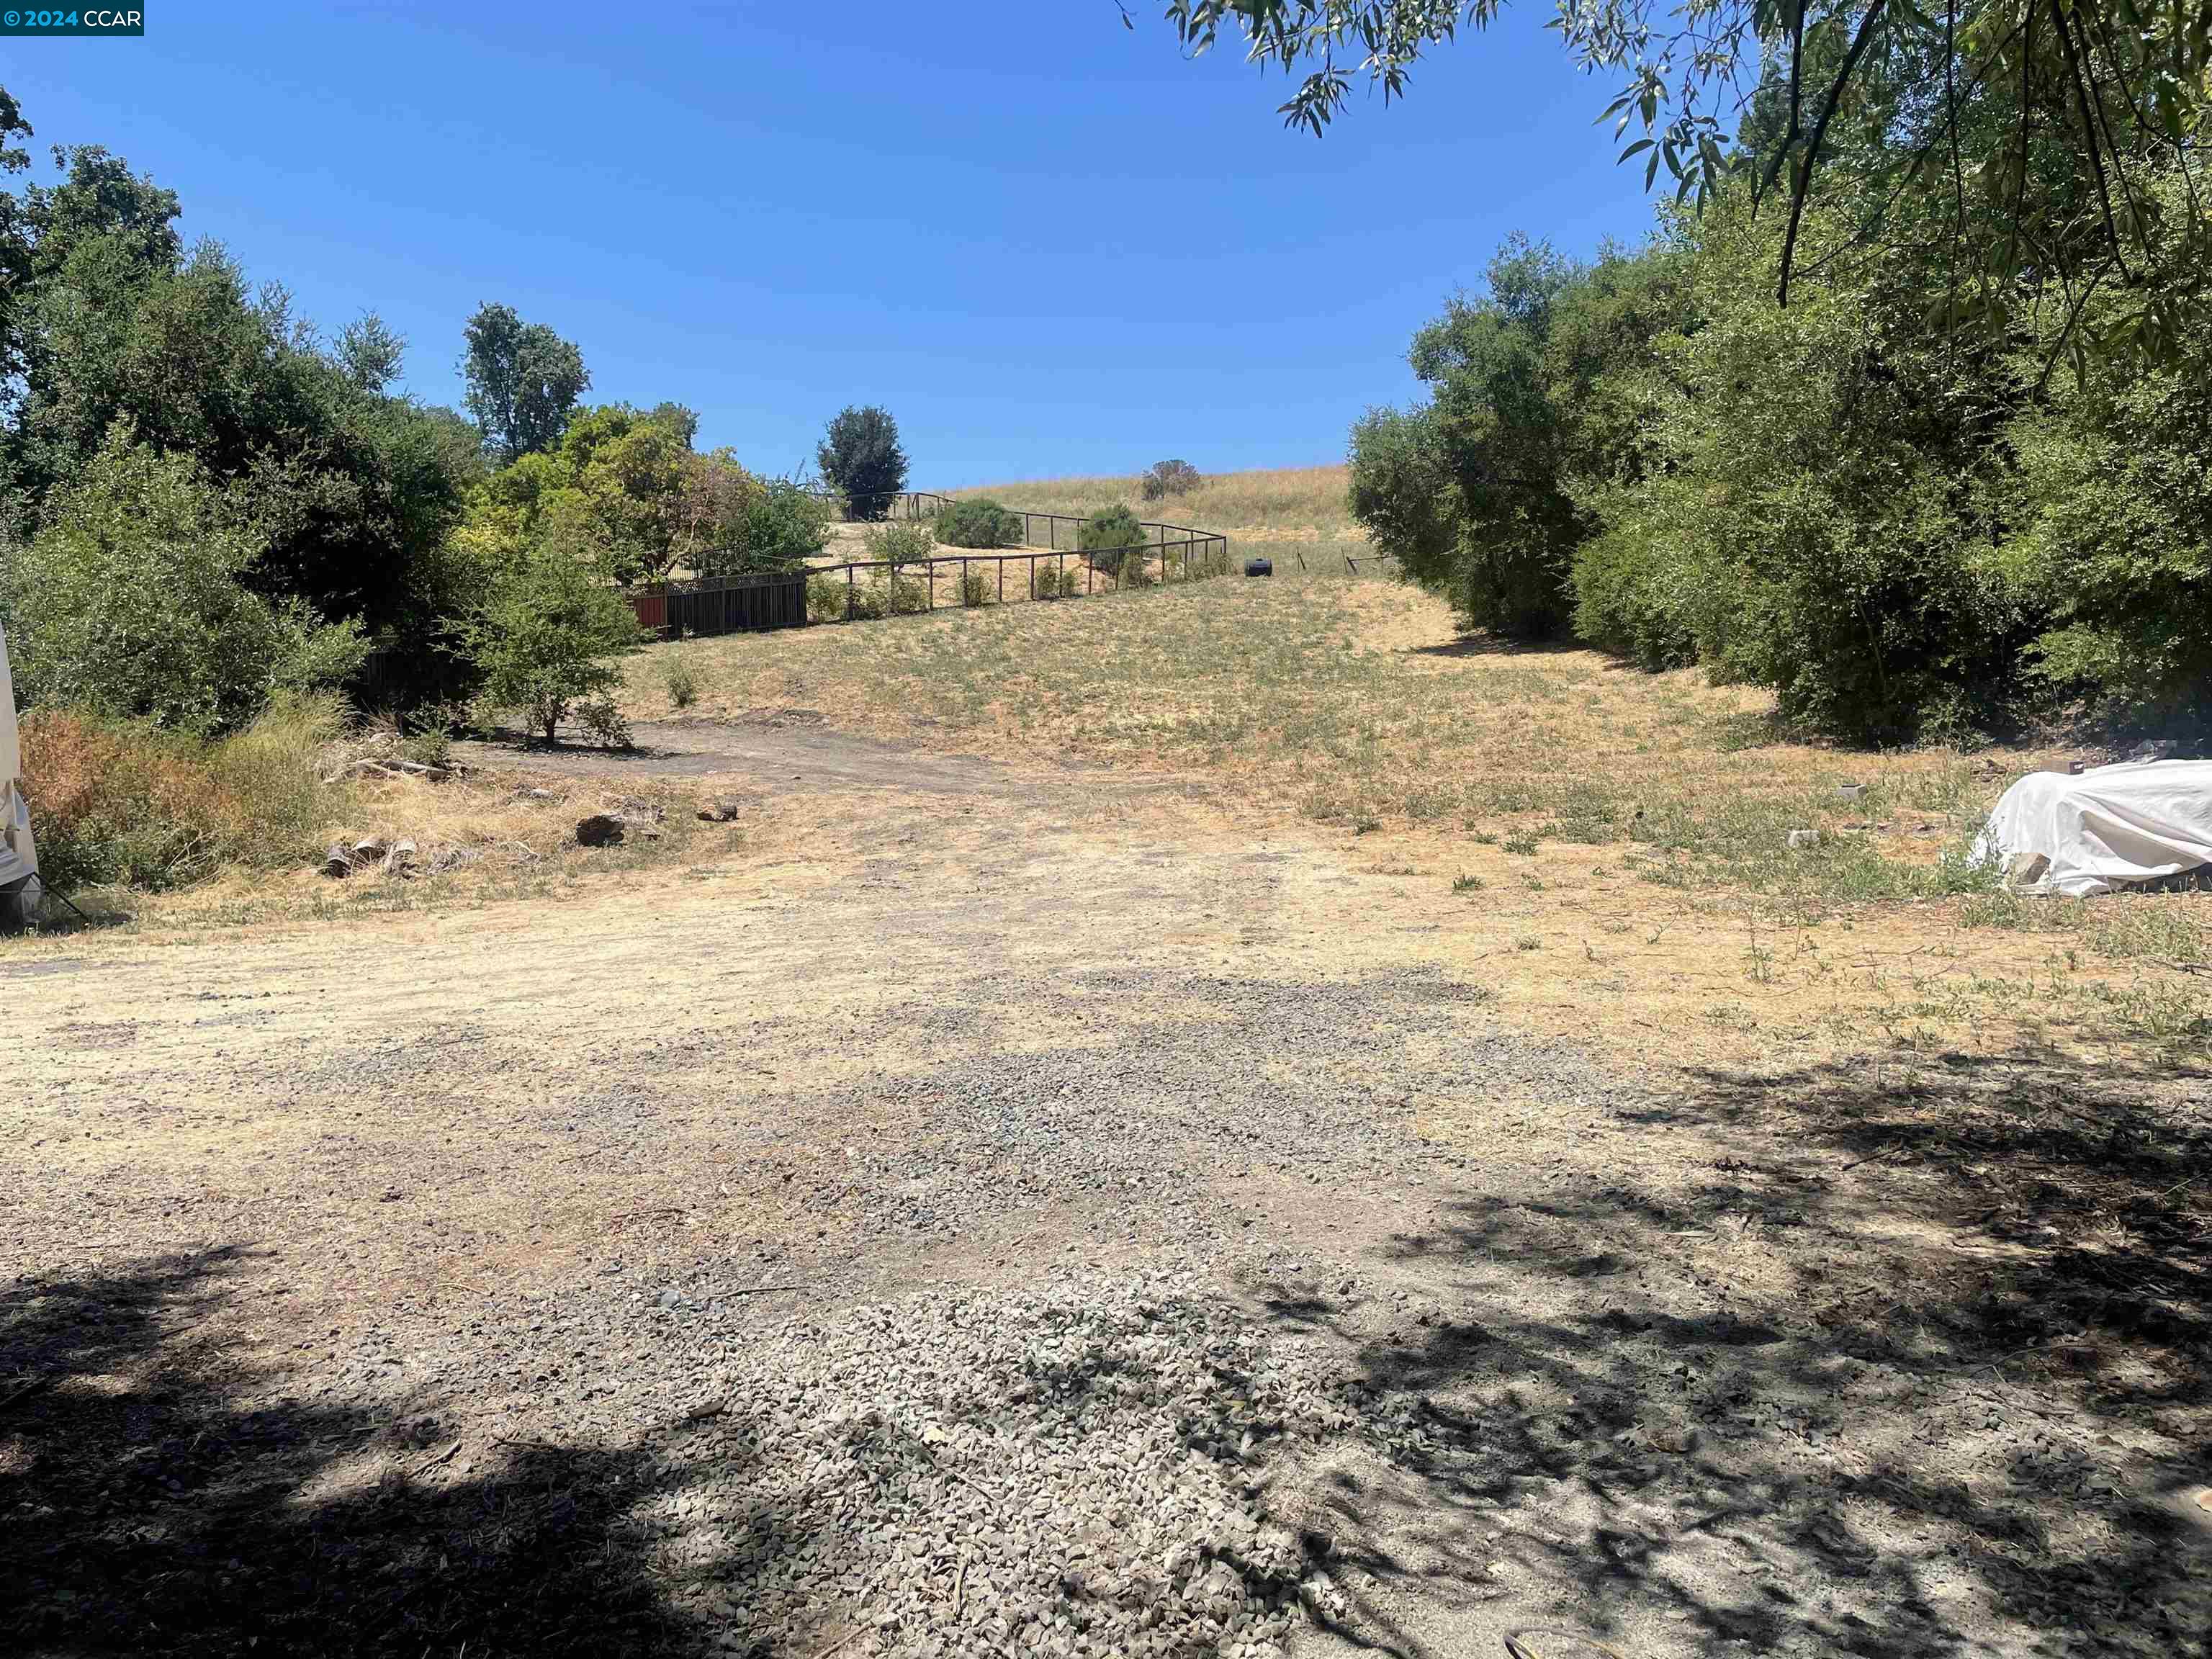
<point>1048,244</point>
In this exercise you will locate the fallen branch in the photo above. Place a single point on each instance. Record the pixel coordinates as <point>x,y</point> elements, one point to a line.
<point>445,1457</point>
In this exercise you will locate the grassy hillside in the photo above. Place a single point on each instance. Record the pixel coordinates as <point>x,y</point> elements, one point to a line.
<point>1287,504</point>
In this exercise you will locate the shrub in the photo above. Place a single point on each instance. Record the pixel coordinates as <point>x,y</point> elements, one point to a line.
<point>127,803</point>
<point>826,598</point>
<point>1630,596</point>
<point>545,638</point>
<point>1108,536</point>
<point>978,523</point>
<point>780,526</point>
<point>1167,478</point>
<point>977,587</point>
<point>1819,510</point>
<point>129,603</point>
<point>860,458</point>
<point>1049,581</point>
<point>683,676</point>
<point>899,544</point>
<point>902,596</point>
<point>607,725</point>
<point>2115,553</point>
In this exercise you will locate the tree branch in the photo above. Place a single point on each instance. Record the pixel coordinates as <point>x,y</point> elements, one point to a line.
<point>1803,180</point>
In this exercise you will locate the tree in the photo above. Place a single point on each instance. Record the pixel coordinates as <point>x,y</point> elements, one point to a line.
<point>653,504</point>
<point>101,199</point>
<point>1475,493</point>
<point>545,640</point>
<point>353,491</point>
<point>1164,478</point>
<point>860,458</point>
<point>1986,106</point>
<point>132,602</point>
<point>369,354</point>
<point>523,381</point>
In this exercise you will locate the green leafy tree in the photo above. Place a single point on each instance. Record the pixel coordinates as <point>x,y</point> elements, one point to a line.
<point>653,504</point>
<point>523,379</point>
<point>781,527</point>
<point>860,458</point>
<point>1987,106</point>
<point>1475,492</point>
<point>132,602</point>
<point>555,627</point>
<point>368,353</point>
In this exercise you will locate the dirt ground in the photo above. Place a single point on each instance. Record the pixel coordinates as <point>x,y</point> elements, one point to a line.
<point>398,1284</point>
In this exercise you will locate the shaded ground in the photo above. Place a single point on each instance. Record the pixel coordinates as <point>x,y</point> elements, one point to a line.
<point>897,1245</point>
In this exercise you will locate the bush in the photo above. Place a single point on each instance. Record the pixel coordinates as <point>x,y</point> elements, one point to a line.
<point>683,676</point>
<point>1820,508</point>
<point>606,725</point>
<point>1166,478</point>
<point>129,603</point>
<point>899,544</point>
<point>780,526</point>
<point>1108,536</point>
<point>902,596</point>
<point>977,587</point>
<point>126,803</point>
<point>2116,551</point>
<point>978,523</point>
<point>1630,593</point>
<point>860,458</point>
<point>826,598</point>
<point>544,640</point>
<point>1049,581</point>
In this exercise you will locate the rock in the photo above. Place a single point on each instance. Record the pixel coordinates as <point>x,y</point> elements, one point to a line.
<point>721,811</point>
<point>337,861</point>
<point>600,829</point>
<point>1803,838</point>
<point>1850,791</point>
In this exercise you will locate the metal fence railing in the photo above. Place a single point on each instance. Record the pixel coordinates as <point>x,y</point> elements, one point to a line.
<point>1043,574</point>
<point>727,604</point>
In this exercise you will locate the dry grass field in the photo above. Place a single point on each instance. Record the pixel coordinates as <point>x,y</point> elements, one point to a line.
<point>1620,838</point>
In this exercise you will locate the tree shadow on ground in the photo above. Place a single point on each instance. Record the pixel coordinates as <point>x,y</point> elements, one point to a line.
<point>1495,645</point>
<point>154,1499</point>
<point>1865,1360</point>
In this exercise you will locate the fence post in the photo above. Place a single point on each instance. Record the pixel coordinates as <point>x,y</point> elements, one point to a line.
<point>1002,580</point>
<point>928,582</point>
<point>849,592</point>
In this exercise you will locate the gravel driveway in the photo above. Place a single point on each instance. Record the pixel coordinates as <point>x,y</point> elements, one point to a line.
<point>995,1232</point>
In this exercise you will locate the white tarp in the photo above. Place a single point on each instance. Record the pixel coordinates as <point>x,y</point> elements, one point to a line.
<point>2101,829</point>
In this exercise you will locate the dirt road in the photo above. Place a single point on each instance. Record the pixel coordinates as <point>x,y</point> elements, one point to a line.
<point>1020,1215</point>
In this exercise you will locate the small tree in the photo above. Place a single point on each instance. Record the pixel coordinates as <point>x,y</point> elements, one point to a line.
<point>545,638</point>
<point>1171,478</point>
<point>1109,535</point>
<point>860,458</point>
